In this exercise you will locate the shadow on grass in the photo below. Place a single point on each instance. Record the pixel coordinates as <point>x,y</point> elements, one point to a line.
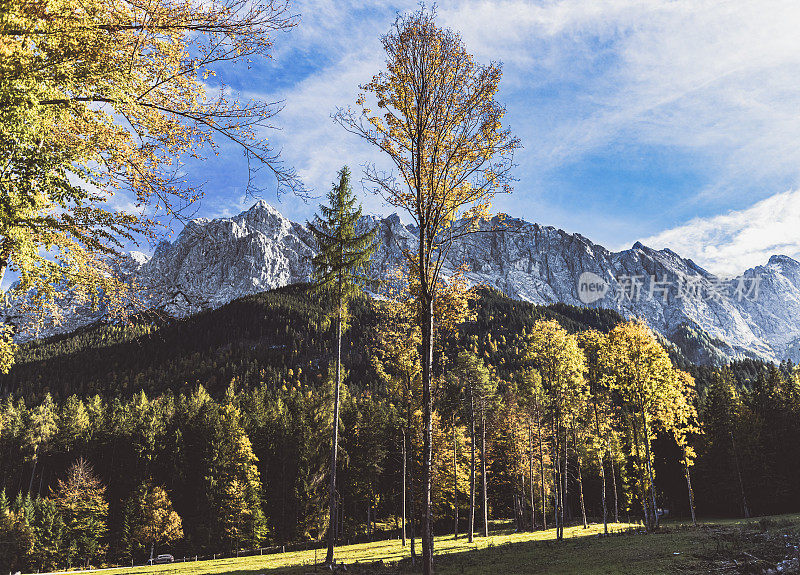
<point>503,549</point>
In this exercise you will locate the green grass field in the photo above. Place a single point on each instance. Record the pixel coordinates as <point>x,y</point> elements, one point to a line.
<point>719,546</point>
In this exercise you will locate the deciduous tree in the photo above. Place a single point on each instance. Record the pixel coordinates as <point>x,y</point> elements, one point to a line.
<point>439,123</point>
<point>80,498</point>
<point>100,103</point>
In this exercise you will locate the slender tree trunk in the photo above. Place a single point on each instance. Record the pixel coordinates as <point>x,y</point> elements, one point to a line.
<point>566,510</point>
<point>410,464</point>
<point>603,487</point>
<point>472,471</point>
<point>483,474</point>
<point>404,488</point>
<point>427,401</point>
<point>523,502</point>
<point>530,466</point>
<point>335,442</point>
<point>455,481</point>
<point>411,510</point>
<point>642,489</point>
<point>689,486</point>
<point>557,488</point>
<point>616,496</point>
<point>580,477</point>
<point>33,471</point>
<point>601,455</point>
<point>541,467</point>
<point>745,508</point>
<point>650,469</point>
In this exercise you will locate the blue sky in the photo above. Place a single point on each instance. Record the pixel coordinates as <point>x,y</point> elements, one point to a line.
<point>675,122</point>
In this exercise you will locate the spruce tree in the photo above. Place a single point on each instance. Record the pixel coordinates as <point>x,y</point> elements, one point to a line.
<point>343,254</point>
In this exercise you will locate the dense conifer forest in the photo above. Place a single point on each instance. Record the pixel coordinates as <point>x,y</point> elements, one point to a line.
<point>212,433</point>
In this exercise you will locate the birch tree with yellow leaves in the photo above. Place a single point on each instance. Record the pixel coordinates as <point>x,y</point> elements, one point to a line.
<point>432,112</point>
<point>100,104</point>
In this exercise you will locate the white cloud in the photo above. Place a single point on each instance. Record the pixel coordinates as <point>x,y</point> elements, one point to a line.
<point>730,243</point>
<point>717,77</point>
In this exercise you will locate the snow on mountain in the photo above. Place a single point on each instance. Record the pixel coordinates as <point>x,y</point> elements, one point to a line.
<point>755,315</point>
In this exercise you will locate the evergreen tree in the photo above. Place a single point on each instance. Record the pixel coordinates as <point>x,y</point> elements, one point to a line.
<point>17,540</point>
<point>339,266</point>
<point>48,531</point>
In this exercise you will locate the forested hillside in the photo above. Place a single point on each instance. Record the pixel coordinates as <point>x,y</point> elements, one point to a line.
<point>249,342</point>
<point>224,418</point>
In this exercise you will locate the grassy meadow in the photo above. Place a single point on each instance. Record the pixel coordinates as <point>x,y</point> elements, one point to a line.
<point>724,546</point>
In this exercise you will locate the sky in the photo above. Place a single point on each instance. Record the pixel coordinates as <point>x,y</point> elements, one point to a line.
<point>673,122</point>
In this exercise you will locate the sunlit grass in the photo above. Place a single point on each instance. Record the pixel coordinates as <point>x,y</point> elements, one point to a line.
<point>676,549</point>
<point>389,551</point>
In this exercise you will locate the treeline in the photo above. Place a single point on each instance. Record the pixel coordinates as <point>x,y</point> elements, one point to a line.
<point>235,455</point>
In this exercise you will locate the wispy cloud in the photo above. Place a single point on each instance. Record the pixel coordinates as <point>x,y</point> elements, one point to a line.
<point>730,243</point>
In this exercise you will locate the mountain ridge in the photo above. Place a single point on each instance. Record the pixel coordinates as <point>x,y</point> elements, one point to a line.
<point>214,261</point>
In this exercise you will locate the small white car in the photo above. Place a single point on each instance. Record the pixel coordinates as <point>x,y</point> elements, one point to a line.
<point>161,559</point>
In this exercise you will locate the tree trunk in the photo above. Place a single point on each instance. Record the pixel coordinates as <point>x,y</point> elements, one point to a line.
<point>650,468</point>
<point>603,484</point>
<point>335,442</point>
<point>33,471</point>
<point>616,497</point>
<point>530,465</point>
<point>411,525</point>
<point>523,502</point>
<point>541,467</point>
<point>472,471</point>
<point>566,510</point>
<point>642,490</point>
<point>404,489</point>
<point>427,449</point>
<point>483,475</point>
<point>602,464</point>
<point>455,481</point>
<point>689,486</point>
<point>557,488</point>
<point>580,478</point>
<point>745,508</point>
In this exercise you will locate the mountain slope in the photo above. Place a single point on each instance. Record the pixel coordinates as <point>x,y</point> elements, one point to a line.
<point>266,338</point>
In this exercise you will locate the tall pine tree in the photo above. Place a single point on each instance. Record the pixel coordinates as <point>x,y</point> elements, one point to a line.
<point>343,254</point>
